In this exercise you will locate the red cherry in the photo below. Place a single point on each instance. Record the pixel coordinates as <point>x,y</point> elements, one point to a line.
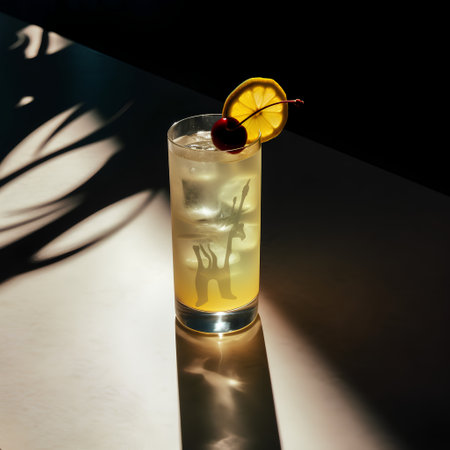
<point>228,134</point>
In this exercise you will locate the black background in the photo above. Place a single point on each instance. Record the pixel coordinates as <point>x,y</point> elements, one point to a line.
<point>367,73</point>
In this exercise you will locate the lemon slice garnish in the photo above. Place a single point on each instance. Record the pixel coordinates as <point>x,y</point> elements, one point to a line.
<point>251,96</point>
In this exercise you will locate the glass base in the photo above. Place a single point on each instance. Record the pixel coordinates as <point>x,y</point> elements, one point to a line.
<point>217,322</point>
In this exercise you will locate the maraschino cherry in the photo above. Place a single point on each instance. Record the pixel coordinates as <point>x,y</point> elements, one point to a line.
<point>230,135</point>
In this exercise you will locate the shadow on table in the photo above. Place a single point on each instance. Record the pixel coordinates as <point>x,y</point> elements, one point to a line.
<point>359,266</point>
<point>80,133</point>
<point>225,391</point>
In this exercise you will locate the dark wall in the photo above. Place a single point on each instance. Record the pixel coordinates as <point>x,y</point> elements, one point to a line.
<point>357,67</point>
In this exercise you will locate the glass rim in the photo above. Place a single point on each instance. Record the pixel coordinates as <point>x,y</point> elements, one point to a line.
<point>196,116</point>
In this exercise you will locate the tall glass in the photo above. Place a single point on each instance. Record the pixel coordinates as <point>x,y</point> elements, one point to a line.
<point>215,199</point>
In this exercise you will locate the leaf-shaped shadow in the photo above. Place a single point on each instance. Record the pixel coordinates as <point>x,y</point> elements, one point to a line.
<point>55,180</point>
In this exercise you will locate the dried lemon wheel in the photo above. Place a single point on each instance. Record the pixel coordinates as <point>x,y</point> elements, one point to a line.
<point>249,104</point>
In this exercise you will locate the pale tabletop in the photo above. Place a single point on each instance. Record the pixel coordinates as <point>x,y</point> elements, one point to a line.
<point>349,352</point>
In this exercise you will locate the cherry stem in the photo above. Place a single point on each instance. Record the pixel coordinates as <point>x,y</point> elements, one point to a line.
<point>297,102</point>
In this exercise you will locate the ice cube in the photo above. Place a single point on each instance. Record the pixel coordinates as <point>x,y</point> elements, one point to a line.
<point>200,202</point>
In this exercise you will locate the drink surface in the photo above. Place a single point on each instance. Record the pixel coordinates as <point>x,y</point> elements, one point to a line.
<point>215,202</point>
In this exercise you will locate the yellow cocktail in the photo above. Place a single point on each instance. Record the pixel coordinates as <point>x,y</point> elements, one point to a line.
<point>215,205</point>
<point>215,187</point>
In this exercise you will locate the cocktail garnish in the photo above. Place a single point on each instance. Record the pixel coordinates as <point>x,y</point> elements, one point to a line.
<point>257,108</point>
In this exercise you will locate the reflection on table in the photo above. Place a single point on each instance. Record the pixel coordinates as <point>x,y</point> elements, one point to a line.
<point>225,391</point>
